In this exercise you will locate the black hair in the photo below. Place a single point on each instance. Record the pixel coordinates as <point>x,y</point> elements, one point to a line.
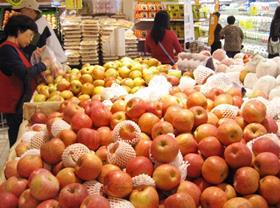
<point>274,33</point>
<point>217,14</point>
<point>231,20</point>
<point>19,23</point>
<point>277,14</point>
<point>161,23</point>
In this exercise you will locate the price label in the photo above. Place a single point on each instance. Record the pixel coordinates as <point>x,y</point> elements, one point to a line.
<point>74,4</point>
<point>253,11</point>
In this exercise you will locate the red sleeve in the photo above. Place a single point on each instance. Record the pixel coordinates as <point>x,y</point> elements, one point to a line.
<point>176,43</point>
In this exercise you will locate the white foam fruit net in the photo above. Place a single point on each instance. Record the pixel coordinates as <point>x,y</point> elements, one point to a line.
<point>218,81</point>
<point>72,154</point>
<point>265,84</point>
<point>186,83</point>
<point>274,93</point>
<point>201,73</point>
<point>127,124</point>
<point>42,127</point>
<point>27,136</point>
<point>38,139</point>
<point>120,203</point>
<point>58,126</point>
<point>272,137</point>
<point>250,80</point>
<point>94,187</point>
<point>34,152</point>
<point>226,111</point>
<point>143,180</point>
<point>119,153</point>
<point>181,164</point>
<point>273,108</point>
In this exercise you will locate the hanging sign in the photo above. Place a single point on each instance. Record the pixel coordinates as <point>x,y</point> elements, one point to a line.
<point>212,27</point>
<point>73,4</point>
<point>14,2</point>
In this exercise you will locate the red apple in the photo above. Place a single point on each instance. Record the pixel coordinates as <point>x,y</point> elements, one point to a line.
<point>68,137</point>
<point>95,201</point>
<point>70,110</point>
<point>257,201</point>
<point>212,118</point>
<point>72,195</point>
<point>139,165</point>
<point>253,130</point>
<point>144,197</point>
<point>28,164</point>
<point>167,177</point>
<point>52,150</point>
<point>142,148</point>
<point>164,149</point>
<point>183,121</point>
<point>171,111</point>
<point>254,111</point>
<point>187,143</point>
<point>179,200</point>
<point>270,125</point>
<point>80,120</point>
<point>200,115</point>
<point>44,186</point>
<point>205,130</point>
<point>51,203</point>
<point>267,163</point>
<point>21,148</point>
<point>105,135</point>
<point>8,200</point>
<point>265,144</point>
<point>58,167</point>
<point>210,146</point>
<point>213,93</point>
<point>214,170</point>
<point>238,202</point>
<point>11,169</point>
<point>213,197</point>
<point>269,189</point>
<point>117,184</point>
<point>201,183</point>
<point>228,189</point>
<point>168,100</point>
<point>67,176</point>
<point>229,132</point>
<point>26,200</point>
<point>162,127</point>
<point>155,108</point>
<point>196,162</point>
<point>117,118</point>
<point>147,121</point>
<point>38,118</point>
<point>14,185</point>
<point>135,107</point>
<point>105,170</point>
<point>246,180</point>
<point>190,188</point>
<point>237,101</point>
<point>197,99</point>
<point>88,166</point>
<point>102,154</point>
<point>118,105</point>
<point>223,99</point>
<point>238,155</point>
<point>88,137</point>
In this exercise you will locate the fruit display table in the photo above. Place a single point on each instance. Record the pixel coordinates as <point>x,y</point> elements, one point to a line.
<point>207,139</point>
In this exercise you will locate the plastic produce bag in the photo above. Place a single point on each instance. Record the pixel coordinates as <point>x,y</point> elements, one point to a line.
<point>114,91</point>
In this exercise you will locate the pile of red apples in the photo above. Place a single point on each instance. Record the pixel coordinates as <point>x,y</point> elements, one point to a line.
<point>223,171</point>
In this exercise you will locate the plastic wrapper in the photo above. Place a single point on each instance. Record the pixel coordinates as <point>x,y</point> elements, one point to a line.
<point>186,83</point>
<point>219,81</point>
<point>274,93</point>
<point>114,91</point>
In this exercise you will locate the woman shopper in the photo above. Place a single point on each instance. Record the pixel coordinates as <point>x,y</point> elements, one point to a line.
<point>45,35</point>
<point>161,42</point>
<point>274,35</point>
<point>217,44</point>
<point>233,36</point>
<point>17,75</point>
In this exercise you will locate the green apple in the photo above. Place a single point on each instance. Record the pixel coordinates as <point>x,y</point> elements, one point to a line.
<point>39,98</point>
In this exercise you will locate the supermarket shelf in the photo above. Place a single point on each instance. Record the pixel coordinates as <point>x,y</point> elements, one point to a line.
<point>143,39</point>
<point>151,20</point>
<point>42,4</point>
<point>200,20</point>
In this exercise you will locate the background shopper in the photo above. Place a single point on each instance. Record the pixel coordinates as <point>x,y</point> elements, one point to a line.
<point>45,35</point>
<point>161,42</point>
<point>274,35</point>
<point>233,36</point>
<point>217,40</point>
<point>17,76</point>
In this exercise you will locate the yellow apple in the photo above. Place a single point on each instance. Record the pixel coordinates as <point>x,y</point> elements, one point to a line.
<point>98,73</point>
<point>243,75</point>
<point>134,74</point>
<point>128,82</point>
<point>63,85</point>
<point>87,69</point>
<point>84,97</point>
<point>176,73</point>
<point>109,64</point>
<point>87,89</point>
<point>124,71</point>
<point>54,93</point>
<point>52,88</point>
<point>75,71</point>
<point>97,90</point>
<point>66,94</point>
<point>99,82</point>
<point>39,98</point>
<point>58,79</point>
<point>111,72</point>
<point>44,90</point>
<point>76,86</point>
<point>138,81</point>
<point>126,88</point>
<point>55,98</point>
<point>135,89</point>
<point>86,78</point>
<point>49,79</point>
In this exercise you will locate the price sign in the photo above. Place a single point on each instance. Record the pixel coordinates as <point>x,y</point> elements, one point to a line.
<point>253,10</point>
<point>74,4</point>
<point>14,2</point>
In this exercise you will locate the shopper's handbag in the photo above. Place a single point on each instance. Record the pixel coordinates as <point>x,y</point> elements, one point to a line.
<point>166,53</point>
<point>273,46</point>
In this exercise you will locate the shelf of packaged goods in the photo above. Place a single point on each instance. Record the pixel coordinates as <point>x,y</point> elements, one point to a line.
<point>41,4</point>
<point>212,2</point>
<point>200,19</point>
<point>151,20</point>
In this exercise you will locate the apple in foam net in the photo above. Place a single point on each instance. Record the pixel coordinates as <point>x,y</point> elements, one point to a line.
<point>144,197</point>
<point>164,148</point>
<point>88,137</point>
<point>166,177</point>
<point>72,195</point>
<point>238,155</point>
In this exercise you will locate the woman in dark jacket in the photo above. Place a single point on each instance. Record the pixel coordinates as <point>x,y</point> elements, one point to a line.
<point>274,35</point>
<point>217,44</point>
<point>17,76</point>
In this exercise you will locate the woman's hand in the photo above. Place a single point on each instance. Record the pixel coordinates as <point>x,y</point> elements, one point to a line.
<point>47,62</point>
<point>38,52</point>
